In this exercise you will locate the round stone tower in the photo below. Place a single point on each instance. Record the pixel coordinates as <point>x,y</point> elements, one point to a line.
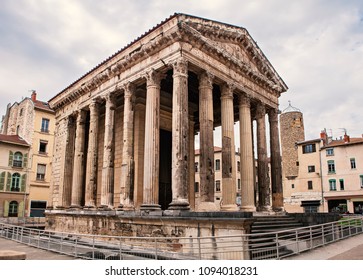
<point>292,131</point>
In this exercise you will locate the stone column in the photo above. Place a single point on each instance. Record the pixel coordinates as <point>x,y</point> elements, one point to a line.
<point>206,143</point>
<point>191,165</point>
<point>127,167</point>
<point>78,163</point>
<point>276,172</point>
<point>67,165</point>
<point>180,139</point>
<point>262,168</point>
<point>91,169</point>
<point>108,155</point>
<point>152,142</point>
<point>246,156</point>
<point>228,150</point>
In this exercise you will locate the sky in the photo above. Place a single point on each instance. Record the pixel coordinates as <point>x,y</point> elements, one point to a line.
<point>316,46</point>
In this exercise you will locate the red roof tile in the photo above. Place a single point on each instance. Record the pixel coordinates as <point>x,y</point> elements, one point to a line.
<point>13,139</point>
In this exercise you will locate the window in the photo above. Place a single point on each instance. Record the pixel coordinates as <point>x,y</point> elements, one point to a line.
<point>330,152</point>
<point>332,185</point>
<point>17,130</point>
<point>238,166</point>
<point>41,172</point>
<point>196,187</point>
<point>341,183</point>
<point>311,168</point>
<point>18,159</point>
<point>309,148</point>
<point>15,182</point>
<point>297,163</point>
<point>43,147</point>
<point>13,209</point>
<point>293,186</point>
<point>45,125</point>
<point>21,112</point>
<point>310,185</point>
<point>218,186</point>
<point>196,166</point>
<point>352,163</point>
<point>331,166</point>
<point>361,181</point>
<point>239,184</point>
<point>218,164</point>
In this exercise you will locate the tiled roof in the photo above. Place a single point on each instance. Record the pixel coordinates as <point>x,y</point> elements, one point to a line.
<point>216,149</point>
<point>13,139</point>
<point>42,105</point>
<point>336,143</point>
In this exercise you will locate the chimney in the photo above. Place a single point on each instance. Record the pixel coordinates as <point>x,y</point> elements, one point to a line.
<point>324,137</point>
<point>346,138</point>
<point>34,95</point>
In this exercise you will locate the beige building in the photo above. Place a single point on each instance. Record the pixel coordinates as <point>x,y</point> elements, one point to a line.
<point>342,174</point>
<point>33,121</point>
<point>218,178</point>
<point>14,154</point>
<point>319,175</point>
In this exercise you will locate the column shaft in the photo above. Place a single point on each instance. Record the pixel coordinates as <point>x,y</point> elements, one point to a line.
<point>108,155</point>
<point>228,150</point>
<point>127,167</point>
<point>152,142</point>
<point>78,165</point>
<point>191,166</point>
<point>276,172</point>
<point>263,176</point>
<point>180,139</point>
<point>206,140</point>
<point>91,169</point>
<point>246,156</point>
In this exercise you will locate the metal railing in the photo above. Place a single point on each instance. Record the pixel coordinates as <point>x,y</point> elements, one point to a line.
<point>271,245</point>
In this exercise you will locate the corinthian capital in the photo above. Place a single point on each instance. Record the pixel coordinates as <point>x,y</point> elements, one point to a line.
<point>129,89</point>
<point>153,78</point>
<point>261,110</point>
<point>227,90</point>
<point>244,100</point>
<point>180,66</point>
<point>206,79</point>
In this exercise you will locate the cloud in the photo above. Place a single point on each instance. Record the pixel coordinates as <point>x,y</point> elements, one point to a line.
<point>316,47</point>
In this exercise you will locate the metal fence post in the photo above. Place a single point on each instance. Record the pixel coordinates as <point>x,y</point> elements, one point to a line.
<point>120,251</point>
<point>277,246</point>
<point>199,248</point>
<point>297,242</point>
<point>156,248</point>
<point>75,247</point>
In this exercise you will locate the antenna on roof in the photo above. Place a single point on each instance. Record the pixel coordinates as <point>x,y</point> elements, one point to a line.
<point>344,129</point>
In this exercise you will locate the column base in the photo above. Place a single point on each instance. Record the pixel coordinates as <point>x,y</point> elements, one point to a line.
<point>123,207</point>
<point>105,208</point>
<point>251,208</point>
<point>150,207</point>
<point>89,207</point>
<point>179,205</point>
<point>264,209</point>
<point>229,207</point>
<point>75,207</point>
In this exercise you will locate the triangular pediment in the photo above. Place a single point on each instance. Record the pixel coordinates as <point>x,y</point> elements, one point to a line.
<point>236,45</point>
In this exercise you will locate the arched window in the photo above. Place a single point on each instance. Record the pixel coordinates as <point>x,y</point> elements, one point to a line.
<point>13,209</point>
<point>21,112</point>
<point>15,183</point>
<point>18,160</point>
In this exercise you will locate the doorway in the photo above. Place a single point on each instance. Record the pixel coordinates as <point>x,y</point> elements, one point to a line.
<point>165,194</point>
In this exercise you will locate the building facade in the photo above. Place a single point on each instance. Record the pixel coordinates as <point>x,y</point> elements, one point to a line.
<point>33,121</point>
<point>342,174</point>
<point>125,130</point>
<point>14,153</point>
<point>320,175</point>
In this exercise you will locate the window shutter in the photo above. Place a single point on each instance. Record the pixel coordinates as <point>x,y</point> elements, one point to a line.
<point>25,161</point>
<point>21,209</point>
<point>11,155</point>
<point>6,208</point>
<point>2,180</point>
<point>23,183</point>
<point>8,182</point>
